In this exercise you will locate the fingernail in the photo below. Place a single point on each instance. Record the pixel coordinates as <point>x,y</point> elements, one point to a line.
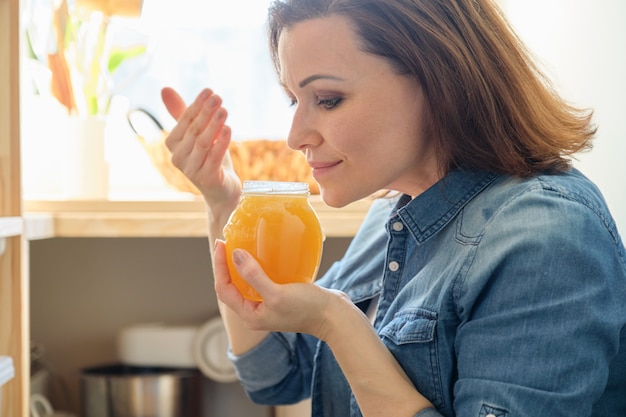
<point>238,256</point>
<point>212,101</point>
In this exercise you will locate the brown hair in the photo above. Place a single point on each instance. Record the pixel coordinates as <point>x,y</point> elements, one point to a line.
<point>489,106</point>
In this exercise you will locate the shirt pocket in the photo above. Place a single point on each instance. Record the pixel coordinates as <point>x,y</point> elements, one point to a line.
<point>411,337</point>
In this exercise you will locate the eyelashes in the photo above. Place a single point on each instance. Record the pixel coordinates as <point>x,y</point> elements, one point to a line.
<point>329,103</point>
<point>325,103</point>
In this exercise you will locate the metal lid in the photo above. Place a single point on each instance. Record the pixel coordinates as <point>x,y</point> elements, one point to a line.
<point>275,187</point>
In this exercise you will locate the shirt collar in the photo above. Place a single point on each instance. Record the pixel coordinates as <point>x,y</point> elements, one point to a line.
<point>432,210</point>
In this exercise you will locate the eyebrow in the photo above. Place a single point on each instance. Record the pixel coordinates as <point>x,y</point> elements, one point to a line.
<point>314,77</point>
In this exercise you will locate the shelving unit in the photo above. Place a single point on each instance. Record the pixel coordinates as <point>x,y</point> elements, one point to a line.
<point>14,319</point>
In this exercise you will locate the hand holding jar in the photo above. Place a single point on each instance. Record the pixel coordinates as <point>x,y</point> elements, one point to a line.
<point>294,308</point>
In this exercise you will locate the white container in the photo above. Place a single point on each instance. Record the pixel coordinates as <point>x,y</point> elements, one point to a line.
<point>192,346</point>
<point>86,169</point>
<point>157,345</point>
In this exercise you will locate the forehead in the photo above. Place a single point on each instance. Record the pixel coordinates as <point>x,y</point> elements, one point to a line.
<point>328,43</point>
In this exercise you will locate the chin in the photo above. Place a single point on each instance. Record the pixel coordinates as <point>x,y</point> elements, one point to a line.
<point>336,198</point>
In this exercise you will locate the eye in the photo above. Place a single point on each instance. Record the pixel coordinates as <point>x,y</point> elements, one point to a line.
<point>329,103</point>
<point>291,99</point>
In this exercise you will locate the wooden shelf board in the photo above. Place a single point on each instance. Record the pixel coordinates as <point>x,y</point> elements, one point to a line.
<point>57,218</point>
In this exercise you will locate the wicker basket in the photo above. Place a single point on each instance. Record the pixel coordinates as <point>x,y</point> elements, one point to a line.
<point>260,159</point>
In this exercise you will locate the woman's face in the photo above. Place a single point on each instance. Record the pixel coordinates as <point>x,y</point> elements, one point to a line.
<point>358,122</point>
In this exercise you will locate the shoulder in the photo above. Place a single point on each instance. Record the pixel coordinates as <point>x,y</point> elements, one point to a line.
<point>550,232</point>
<point>525,230</point>
<point>563,203</point>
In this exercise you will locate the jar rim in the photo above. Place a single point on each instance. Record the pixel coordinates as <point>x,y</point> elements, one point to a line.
<point>275,187</point>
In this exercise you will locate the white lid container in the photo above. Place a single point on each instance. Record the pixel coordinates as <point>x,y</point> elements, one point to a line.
<point>193,346</point>
<point>155,344</point>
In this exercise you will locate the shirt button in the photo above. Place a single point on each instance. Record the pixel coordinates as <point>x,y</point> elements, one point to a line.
<point>394,266</point>
<point>397,226</point>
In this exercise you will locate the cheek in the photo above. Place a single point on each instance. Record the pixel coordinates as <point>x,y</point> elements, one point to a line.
<point>360,131</point>
<point>354,140</point>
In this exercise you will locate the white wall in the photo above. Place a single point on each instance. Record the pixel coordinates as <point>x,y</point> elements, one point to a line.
<point>582,44</point>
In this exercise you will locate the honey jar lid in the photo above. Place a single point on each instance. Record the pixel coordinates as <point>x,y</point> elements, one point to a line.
<point>275,187</point>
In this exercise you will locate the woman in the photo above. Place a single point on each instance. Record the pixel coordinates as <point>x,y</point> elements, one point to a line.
<point>491,282</point>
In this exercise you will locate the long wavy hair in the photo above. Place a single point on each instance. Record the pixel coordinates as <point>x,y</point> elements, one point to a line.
<point>489,106</point>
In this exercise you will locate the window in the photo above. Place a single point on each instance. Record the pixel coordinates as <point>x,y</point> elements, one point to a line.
<point>190,45</point>
<point>195,45</point>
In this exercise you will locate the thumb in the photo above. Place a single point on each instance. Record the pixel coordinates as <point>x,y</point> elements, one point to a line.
<point>173,102</point>
<point>251,271</point>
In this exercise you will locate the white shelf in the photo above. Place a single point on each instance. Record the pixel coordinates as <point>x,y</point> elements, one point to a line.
<point>32,226</point>
<point>11,226</point>
<point>6,370</point>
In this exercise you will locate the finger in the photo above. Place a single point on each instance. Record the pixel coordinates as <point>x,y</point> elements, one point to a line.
<point>206,152</point>
<point>252,272</point>
<point>213,157</point>
<point>208,122</point>
<point>198,126</point>
<point>224,287</point>
<point>219,257</point>
<point>220,147</point>
<point>174,103</point>
<point>220,267</point>
<point>185,116</point>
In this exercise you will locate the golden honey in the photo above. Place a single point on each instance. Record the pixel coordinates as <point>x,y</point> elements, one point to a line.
<point>276,224</point>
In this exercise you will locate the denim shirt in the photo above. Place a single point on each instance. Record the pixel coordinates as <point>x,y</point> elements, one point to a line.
<point>498,296</point>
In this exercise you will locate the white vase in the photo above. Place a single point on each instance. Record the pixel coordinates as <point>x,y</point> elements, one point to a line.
<point>86,170</point>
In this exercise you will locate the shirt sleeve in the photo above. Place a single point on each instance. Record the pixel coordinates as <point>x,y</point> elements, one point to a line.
<point>278,370</point>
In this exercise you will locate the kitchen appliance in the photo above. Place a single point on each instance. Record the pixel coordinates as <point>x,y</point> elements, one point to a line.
<point>137,391</point>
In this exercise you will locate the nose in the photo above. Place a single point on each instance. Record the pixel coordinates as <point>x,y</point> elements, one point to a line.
<point>303,134</point>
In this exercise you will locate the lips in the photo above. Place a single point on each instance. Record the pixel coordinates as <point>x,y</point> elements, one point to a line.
<point>319,168</point>
<point>321,165</point>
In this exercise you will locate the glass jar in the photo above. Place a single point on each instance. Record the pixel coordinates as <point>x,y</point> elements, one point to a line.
<point>276,224</point>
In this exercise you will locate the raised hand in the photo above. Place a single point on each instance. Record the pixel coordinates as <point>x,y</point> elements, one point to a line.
<point>199,146</point>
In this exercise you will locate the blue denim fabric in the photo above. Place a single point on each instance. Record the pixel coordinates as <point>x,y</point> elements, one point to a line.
<point>498,296</point>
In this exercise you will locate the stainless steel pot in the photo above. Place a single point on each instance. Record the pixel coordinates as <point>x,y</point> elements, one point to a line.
<point>131,391</point>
